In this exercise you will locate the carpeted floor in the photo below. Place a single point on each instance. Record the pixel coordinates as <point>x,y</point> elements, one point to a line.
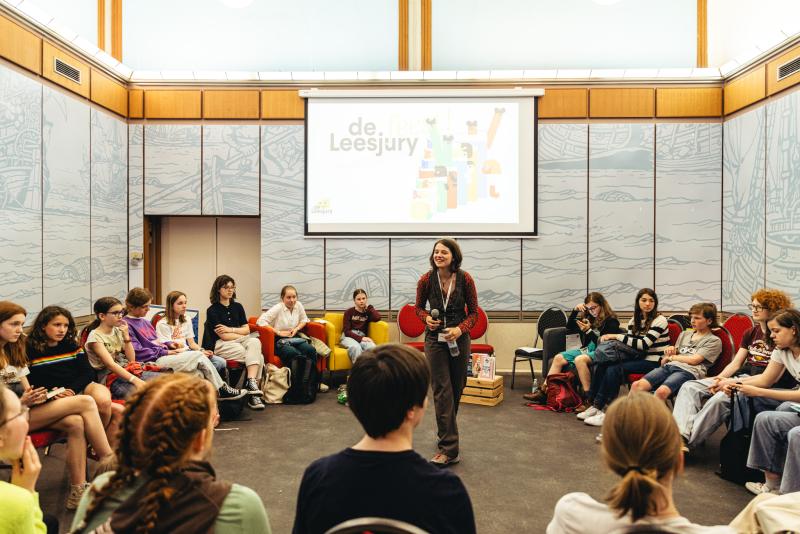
<point>516,462</point>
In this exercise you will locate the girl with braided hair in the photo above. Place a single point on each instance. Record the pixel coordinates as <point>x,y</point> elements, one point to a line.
<point>163,482</point>
<point>642,446</point>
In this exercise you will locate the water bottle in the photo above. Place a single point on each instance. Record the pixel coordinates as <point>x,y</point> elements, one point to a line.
<point>453,346</point>
<point>535,386</point>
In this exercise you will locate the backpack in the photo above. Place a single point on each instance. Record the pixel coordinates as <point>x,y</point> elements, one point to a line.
<point>561,393</point>
<point>735,446</point>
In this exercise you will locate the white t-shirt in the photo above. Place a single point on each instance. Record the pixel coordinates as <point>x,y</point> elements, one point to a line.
<point>179,334</point>
<point>114,344</point>
<point>578,513</point>
<point>787,359</point>
<point>280,318</point>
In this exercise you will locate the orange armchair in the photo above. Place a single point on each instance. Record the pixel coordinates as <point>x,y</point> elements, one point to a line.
<point>266,334</point>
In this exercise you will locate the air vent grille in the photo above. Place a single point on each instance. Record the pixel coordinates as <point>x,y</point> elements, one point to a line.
<point>68,71</point>
<point>789,68</point>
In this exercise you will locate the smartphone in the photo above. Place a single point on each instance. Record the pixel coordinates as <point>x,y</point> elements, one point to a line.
<point>53,392</point>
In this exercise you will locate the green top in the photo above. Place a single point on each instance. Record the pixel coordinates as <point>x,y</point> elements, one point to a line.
<point>242,510</point>
<point>21,512</point>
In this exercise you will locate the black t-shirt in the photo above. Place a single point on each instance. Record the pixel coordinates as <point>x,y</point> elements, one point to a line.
<point>63,365</point>
<point>758,356</point>
<point>232,315</point>
<point>392,485</point>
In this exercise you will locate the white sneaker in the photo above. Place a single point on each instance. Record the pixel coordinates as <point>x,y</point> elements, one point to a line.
<point>323,387</point>
<point>595,420</point>
<point>758,488</point>
<point>598,438</point>
<point>583,416</point>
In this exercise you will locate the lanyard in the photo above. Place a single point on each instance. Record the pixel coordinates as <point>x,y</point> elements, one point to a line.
<point>445,299</point>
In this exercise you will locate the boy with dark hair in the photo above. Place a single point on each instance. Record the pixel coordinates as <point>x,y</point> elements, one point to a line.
<point>381,475</point>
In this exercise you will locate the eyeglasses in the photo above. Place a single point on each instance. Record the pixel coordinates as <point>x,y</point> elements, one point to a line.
<point>117,313</point>
<point>24,411</point>
<point>592,308</point>
<point>755,308</point>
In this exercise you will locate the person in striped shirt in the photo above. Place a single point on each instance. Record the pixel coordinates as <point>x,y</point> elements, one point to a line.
<point>56,359</point>
<point>647,336</point>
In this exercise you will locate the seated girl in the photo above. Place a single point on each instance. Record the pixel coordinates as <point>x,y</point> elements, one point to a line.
<point>355,325</point>
<point>775,445</point>
<point>21,511</point>
<point>692,356</point>
<point>163,481</point>
<point>170,354</point>
<point>227,334</point>
<point>74,415</point>
<point>642,346</point>
<point>174,327</point>
<point>597,319</point>
<point>697,419</point>
<point>110,352</point>
<point>288,318</point>
<point>56,359</point>
<point>642,446</point>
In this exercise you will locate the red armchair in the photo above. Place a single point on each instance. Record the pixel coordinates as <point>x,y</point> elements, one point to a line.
<point>267,337</point>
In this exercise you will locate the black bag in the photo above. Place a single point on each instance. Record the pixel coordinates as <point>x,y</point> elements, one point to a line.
<point>616,351</point>
<point>735,446</point>
<point>305,382</point>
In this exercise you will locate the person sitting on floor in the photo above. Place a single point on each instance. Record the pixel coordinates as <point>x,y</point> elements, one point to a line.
<point>597,319</point>
<point>163,481</point>
<point>381,475</point>
<point>642,446</point>
<point>692,356</point>
<point>698,421</point>
<point>356,323</point>
<point>169,355</point>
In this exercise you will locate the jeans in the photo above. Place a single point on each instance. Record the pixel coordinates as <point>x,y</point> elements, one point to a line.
<point>219,364</point>
<point>775,446</point>
<point>670,376</point>
<point>609,376</point>
<point>355,348</point>
<point>121,388</point>
<point>288,352</point>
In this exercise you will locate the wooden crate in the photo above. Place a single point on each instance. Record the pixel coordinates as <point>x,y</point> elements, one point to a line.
<point>483,392</point>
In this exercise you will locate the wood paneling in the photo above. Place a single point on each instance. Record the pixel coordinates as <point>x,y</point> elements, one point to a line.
<point>230,104</point>
<point>564,103</point>
<point>109,93</point>
<point>746,90</point>
<point>689,102</point>
<point>172,104</point>
<point>101,24</point>
<point>20,46</point>
<point>282,104</point>
<point>426,35</point>
<point>702,33</point>
<point>49,55</point>
<point>402,32</point>
<point>116,29</point>
<point>620,103</point>
<point>773,85</point>
<point>136,104</point>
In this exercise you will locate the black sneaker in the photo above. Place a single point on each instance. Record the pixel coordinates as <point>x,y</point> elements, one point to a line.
<point>227,393</point>
<point>251,387</point>
<point>255,403</point>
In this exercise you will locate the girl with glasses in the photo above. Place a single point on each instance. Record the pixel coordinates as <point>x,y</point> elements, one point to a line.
<point>76,416</point>
<point>592,319</point>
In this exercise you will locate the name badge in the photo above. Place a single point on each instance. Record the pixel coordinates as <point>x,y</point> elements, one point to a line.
<point>441,338</point>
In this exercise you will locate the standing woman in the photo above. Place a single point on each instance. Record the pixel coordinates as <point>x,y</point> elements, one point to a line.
<point>449,290</point>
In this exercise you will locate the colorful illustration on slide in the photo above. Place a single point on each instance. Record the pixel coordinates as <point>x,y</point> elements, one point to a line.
<point>454,171</point>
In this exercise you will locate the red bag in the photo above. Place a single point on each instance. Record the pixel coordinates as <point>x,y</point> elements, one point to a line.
<point>561,393</point>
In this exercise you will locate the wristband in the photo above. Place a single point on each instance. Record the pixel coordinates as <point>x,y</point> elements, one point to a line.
<point>132,378</point>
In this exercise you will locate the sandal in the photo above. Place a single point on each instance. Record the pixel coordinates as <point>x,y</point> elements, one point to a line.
<point>442,460</point>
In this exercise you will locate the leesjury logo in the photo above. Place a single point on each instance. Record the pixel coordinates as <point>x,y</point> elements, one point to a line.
<point>364,137</point>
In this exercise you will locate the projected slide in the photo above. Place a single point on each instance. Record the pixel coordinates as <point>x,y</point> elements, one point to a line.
<point>411,167</point>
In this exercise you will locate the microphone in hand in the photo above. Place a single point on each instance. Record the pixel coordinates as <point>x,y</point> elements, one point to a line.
<point>435,316</point>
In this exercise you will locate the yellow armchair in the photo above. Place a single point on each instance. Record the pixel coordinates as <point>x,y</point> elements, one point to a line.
<point>339,360</point>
